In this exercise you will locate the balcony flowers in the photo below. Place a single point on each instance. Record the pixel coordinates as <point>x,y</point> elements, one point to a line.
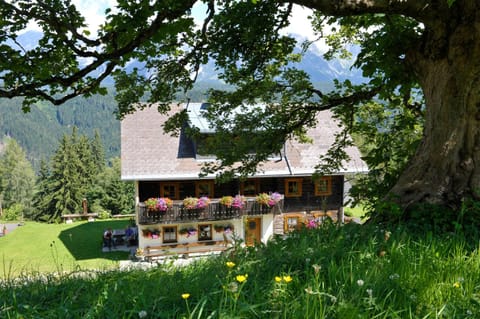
<point>190,202</point>
<point>238,201</point>
<point>196,203</point>
<point>227,201</point>
<point>164,203</point>
<point>151,203</point>
<point>235,202</point>
<point>159,204</point>
<point>269,200</point>
<point>203,202</point>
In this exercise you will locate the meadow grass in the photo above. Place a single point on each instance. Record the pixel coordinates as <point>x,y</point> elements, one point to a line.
<point>352,271</point>
<point>37,247</point>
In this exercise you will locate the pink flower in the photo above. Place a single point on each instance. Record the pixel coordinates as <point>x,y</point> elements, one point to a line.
<point>311,224</point>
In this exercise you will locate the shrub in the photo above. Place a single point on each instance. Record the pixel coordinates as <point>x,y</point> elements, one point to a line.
<point>14,212</point>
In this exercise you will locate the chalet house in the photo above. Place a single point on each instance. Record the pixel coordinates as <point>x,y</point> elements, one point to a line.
<point>167,167</point>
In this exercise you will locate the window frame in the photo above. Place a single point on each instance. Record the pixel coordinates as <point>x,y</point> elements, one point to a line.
<point>299,182</point>
<point>176,187</point>
<point>211,187</point>
<point>328,190</point>
<point>210,232</point>
<point>256,186</point>
<point>164,232</point>
<point>299,222</point>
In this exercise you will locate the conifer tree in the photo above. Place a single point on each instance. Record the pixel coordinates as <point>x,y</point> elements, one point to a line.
<point>111,193</point>
<point>42,199</point>
<point>98,152</point>
<point>65,181</point>
<point>17,176</point>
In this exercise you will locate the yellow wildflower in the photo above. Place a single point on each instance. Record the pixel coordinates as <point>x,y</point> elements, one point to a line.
<point>185,296</point>
<point>230,264</point>
<point>278,279</point>
<point>241,278</point>
<point>456,285</point>
<point>287,278</point>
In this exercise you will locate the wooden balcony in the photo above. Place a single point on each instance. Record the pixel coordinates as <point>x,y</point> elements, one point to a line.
<point>214,211</point>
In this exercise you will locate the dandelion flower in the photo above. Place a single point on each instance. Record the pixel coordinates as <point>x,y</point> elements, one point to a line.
<point>370,292</point>
<point>185,296</point>
<point>232,287</point>
<point>287,278</point>
<point>230,264</point>
<point>316,268</point>
<point>142,314</point>
<point>278,279</point>
<point>456,285</point>
<point>241,278</point>
<point>360,282</point>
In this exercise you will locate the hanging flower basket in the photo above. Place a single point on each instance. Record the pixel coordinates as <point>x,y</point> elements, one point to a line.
<point>188,231</point>
<point>158,204</point>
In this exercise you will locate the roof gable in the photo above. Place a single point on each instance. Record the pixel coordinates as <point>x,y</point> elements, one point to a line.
<point>148,153</point>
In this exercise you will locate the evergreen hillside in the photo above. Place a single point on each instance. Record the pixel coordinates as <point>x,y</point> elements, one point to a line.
<point>39,131</point>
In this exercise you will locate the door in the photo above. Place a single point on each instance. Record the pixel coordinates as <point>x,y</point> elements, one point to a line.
<point>253,231</point>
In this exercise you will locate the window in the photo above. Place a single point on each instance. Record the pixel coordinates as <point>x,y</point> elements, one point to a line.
<point>205,232</point>
<point>169,190</point>
<point>249,187</point>
<point>204,188</point>
<point>169,234</point>
<point>319,217</point>
<point>292,222</point>
<point>323,186</point>
<point>293,187</point>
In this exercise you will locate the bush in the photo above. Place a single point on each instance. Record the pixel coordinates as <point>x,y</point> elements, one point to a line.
<point>14,212</point>
<point>102,212</point>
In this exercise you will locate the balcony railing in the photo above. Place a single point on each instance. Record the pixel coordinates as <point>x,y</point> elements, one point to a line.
<point>214,211</point>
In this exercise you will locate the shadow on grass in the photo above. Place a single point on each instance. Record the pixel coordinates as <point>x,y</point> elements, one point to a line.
<point>84,239</point>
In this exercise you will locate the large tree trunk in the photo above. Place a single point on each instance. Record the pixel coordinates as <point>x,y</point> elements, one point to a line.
<point>446,166</point>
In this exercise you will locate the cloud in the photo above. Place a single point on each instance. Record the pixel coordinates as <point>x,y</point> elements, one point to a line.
<point>300,26</point>
<point>94,11</point>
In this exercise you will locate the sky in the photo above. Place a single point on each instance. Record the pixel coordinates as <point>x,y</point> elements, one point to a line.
<point>94,11</point>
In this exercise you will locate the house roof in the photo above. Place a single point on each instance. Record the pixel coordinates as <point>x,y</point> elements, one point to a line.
<point>148,153</point>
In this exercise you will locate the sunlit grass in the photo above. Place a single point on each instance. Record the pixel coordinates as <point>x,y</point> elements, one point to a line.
<point>37,247</point>
<point>353,271</point>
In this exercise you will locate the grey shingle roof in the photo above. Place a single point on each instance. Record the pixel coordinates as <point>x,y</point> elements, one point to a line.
<point>147,153</point>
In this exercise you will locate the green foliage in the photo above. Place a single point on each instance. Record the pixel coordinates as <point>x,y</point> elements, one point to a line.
<point>39,130</point>
<point>110,193</point>
<point>13,213</point>
<point>388,136</point>
<point>78,171</point>
<point>17,177</point>
<point>399,47</point>
<point>355,271</point>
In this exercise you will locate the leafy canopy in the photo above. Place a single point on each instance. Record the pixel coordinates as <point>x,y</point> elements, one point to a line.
<point>251,53</point>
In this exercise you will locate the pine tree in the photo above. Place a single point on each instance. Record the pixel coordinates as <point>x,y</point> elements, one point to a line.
<point>98,152</point>
<point>42,199</point>
<point>65,181</point>
<point>17,176</point>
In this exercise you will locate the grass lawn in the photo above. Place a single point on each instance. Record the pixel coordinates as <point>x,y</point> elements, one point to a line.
<point>350,272</point>
<point>36,247</point>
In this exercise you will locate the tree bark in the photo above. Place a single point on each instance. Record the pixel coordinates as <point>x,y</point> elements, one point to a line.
<point>446,166</point>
